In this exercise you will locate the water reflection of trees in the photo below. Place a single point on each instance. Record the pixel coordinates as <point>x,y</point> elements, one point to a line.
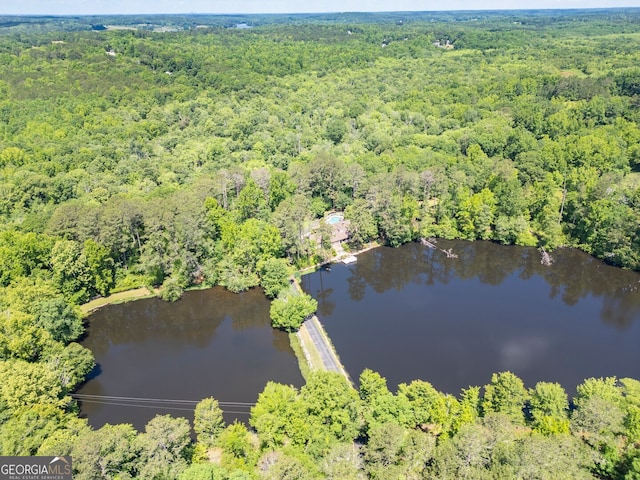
<point>281,342</point>
<point>192,320</point>
<point>357,286</point>
<point>323,296</point>
<point>573,276</point>
<point>620,311</point>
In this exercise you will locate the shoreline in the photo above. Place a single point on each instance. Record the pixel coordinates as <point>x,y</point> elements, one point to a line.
<point>301,343</point>
<point>116,298</point>
<point>337,259</point>
<point>144,292</point>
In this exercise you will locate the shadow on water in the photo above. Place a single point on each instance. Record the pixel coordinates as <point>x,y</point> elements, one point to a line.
<point>411,312</point>
<point>209,343</point>
<point>97,370</point>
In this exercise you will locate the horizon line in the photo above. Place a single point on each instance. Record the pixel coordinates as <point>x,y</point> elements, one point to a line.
<point>545,9</point>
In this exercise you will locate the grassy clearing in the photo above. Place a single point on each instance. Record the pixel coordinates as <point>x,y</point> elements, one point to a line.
<point>119,297</point>
<point>303,364</point>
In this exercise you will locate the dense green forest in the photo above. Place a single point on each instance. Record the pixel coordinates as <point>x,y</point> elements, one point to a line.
<point>202,156</point>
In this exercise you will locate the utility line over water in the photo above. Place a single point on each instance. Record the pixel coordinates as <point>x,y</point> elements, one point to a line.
<point>159,403</point>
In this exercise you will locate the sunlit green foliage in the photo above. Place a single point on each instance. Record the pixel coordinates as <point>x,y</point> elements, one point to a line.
<point>289,310</point>
<point>209,156</point>
<point>505,394</point>
<point>549,408</point>
<point>208,422</point>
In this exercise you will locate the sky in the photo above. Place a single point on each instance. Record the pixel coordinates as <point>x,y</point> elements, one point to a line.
<point>97,7</point>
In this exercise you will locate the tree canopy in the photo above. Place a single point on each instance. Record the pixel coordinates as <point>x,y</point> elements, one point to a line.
<point>182,151</point>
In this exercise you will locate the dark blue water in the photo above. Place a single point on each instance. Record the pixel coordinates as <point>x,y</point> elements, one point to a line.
<point>412,313</point>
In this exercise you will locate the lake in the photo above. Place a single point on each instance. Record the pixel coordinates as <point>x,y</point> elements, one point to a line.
<point>209,343</point>
<point>412,313</point>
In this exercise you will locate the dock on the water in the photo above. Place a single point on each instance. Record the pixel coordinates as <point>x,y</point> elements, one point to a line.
<point>349,259</point>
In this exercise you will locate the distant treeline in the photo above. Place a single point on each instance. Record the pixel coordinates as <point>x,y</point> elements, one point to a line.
<point>566,17</point>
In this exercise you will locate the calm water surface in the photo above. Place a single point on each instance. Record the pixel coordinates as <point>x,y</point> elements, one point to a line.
<point>412,313</point>
<point>209,343</point>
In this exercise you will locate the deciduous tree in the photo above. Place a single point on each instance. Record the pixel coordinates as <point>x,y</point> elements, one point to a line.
<point>208,422</point>
<point>288,311</point>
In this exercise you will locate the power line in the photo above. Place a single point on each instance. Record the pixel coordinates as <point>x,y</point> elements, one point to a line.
<point>87,397</point>
<point>157,407</point>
